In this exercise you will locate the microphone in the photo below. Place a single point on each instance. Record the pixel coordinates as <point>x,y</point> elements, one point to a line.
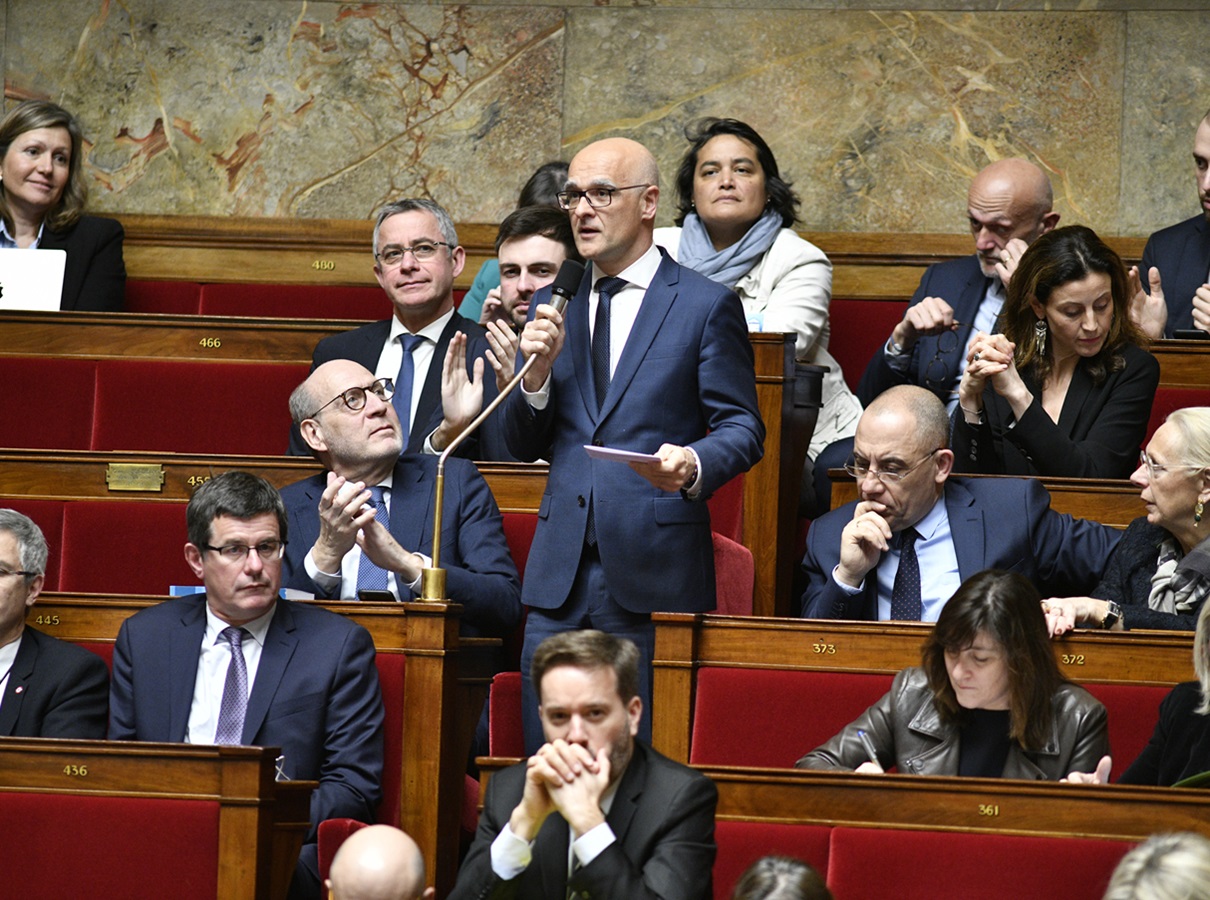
<point>432,580</point>
<point>566,283</point>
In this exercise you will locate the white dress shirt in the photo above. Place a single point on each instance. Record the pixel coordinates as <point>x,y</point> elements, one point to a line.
<point>213,660</point>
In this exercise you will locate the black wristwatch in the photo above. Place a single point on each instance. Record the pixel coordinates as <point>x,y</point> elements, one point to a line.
<point>1112,615</point>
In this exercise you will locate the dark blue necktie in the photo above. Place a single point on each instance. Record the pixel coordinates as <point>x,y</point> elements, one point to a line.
<point>905,594</point>
<point>606,288</point>
<point>234,705</point>
<point>402,401</point>
<point>370,576</point>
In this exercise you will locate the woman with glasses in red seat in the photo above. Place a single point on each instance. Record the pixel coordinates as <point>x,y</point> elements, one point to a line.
<point>1159,574</point>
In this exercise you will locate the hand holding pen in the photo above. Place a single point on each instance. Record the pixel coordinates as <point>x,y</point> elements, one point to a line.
<point>872,767</point>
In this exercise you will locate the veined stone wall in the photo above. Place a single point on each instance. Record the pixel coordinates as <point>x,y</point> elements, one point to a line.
<point>283,108</point>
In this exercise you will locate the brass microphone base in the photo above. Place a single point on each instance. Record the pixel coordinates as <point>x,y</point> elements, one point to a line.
<point>432,585</point>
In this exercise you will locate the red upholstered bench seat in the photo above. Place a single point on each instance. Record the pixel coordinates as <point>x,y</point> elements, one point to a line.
<point>181,298</point>
<point>740,844</point>
<point>1133,710</point>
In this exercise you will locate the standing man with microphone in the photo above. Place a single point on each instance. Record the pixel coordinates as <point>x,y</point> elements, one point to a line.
<point>648,357</point>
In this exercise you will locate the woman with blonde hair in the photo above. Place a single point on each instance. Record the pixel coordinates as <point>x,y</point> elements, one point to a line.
<point>1159,573</point>
<point>1163,867</point>
<point>42,196</point>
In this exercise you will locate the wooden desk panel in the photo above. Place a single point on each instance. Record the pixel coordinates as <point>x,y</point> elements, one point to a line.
<point>987,805</point>
<point>163,337</point>
<point>261,822</point>
<point>685,642</point>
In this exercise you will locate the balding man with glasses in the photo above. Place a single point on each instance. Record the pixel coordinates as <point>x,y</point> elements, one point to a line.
<point>416,259</point>
<point>901,550</point>
<point>366,525</point>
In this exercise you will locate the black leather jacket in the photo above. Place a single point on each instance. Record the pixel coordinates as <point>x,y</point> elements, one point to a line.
<point>908,733</point>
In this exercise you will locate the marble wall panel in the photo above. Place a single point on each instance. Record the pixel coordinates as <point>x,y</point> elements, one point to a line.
<point>290,108</point>
<point>1167,94</point>
<point>880,114</point>
<point>882,118</point>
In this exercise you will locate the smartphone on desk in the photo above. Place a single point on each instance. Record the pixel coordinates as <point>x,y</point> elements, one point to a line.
<point>1191,334</point>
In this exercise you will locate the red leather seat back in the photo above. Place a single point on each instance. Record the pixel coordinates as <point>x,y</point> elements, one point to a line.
<point>858,329</point>
<point>183,407</point>
<point>793,712</point>
<point>119,546</point>
<point>48,402</point>
<point>1133,710</point>
<point>505,737</point>
<point>1168,399</point>
<point>740,844</point>
<point>295,301</point>
<point>727,509</point>
<point>119,847</point>
<point>178,297</point>
<point>391,670</point>
<point>925,865</point>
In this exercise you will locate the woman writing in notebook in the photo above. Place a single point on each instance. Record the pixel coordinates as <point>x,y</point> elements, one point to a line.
<point>42,196</point>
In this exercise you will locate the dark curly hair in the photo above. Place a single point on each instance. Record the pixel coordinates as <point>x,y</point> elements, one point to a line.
<point>781,197</point>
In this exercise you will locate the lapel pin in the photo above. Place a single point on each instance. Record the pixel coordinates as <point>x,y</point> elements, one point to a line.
<point>19,689</point>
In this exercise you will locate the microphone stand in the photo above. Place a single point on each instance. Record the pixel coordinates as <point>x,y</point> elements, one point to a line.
<point>432,580</point>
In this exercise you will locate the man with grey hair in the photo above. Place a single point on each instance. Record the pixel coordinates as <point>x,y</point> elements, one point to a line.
<point>48,687</point>
<point>378,862</point>
<point>416,259</point>
<point>914,535</point>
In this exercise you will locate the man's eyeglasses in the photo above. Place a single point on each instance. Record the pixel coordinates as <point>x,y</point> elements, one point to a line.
<point>20,572</point>
<point>423,251</point>
<point>355,397</point>
<point>937,376</point>
<point>237,553</point>
<point>597,197</point>
<point>1154,468</point>
<point>859,468</point>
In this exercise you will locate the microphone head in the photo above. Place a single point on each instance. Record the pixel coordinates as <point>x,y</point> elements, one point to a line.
<point>566,283</point>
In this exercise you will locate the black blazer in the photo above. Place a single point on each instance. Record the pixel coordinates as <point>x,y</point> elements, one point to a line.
<point>55,690</point>
<point>364,345</point>
<point>662,816</point>
<point>1098,433</point>
<point>1182,254</point>
<point>1180,745</point>
<point>95,277</point>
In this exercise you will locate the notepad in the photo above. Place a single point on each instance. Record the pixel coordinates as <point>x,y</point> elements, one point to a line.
<point>31,279</point>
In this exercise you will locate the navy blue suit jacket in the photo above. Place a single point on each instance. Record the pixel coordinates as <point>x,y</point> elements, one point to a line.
<point>55,690</point>
<point>480,573</point>
<point>996,523</point>
<point>1182,254</point>
<point>1098,435</point>
<point>364,345</point>
<point>316,696</point>
<point>95,277</point>
<point>961,284</point>
<point>662,816</point>
<point>685,377</point>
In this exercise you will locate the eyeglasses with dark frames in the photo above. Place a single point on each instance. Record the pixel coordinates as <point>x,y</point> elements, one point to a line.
<point>355,397</point>
<point>937,376</point>
<point>860,468</point>
<point>597,197</point>
<point>20,572</point>
<point>237,553</point>
<point>423,251</point>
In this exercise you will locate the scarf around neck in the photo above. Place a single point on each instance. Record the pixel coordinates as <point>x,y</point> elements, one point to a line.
<point>729,265</point>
